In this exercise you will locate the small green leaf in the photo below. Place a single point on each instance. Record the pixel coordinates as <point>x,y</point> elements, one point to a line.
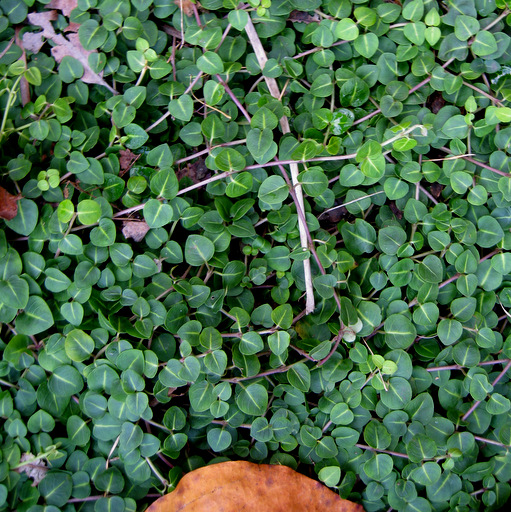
<point>210,63</point>
<point>182,108</point>
<point>198,250</point>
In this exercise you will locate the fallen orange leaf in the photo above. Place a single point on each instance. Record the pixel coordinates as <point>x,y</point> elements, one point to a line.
<point>235,486</point>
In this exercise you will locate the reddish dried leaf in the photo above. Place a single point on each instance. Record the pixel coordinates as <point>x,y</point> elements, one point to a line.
<point>135,229</point>
<point>197,171</point>
<point>66,6</point>
<point>186,6</point>
<point>235,486</point>
<point>8,205</point>
<point>126,160</point>
<point>303,17</point>
<point>72,27</point>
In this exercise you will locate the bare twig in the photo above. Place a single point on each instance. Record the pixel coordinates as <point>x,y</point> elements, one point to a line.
<point>284,124</point>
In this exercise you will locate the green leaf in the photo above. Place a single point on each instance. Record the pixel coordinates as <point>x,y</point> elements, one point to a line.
<point>489,231</point>
<point>346,29</point>
<point>14,292</point>
<point>264,119</point>
<point>56,488</point>
<point>282,316</point>
<point>239,185</point>
<point>420,448</point>
<point>210,63</point>
<point>390,239</point>
<point>444,487</point>
<point>92,35</point>
<point>26,219</point>
<point>399,331</point>
<point>157,214</point>
<point>325,285</point>
<point>366,44</point>
<point>299,377</point>
<point>272,69</point>
<point>229,159</point>
<point>104,234</point>
<point>198,250</point>
<point>279,342</point>
<point>238,19</point>
<point>219,439</point>
<point>164,184</point>
<point>465,27</point>
<point>359,237</point>
<point>484,44</point>
<point>314,181</point>
<point>330,475</point>
<point>182,108</point>
<point>322,86</point>
<point>35,318</point>
<point>252,400</point>
<point>354,93</point>
<point>398,393</point>
<point>261,145</point>
<point>426,474</point>
<point>79,345</point>
<point>251,343</point>
<point>136,136</point>
<point>89,211</point>
<point>78,431</point>
<point>273,190</point>
<point>455,127</point>
<point>378,467</point>
<point>65,381</point>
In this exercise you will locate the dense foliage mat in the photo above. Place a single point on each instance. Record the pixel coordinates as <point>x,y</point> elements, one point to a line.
<point>183,183</point>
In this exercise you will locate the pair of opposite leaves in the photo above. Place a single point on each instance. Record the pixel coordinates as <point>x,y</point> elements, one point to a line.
<point>244,486</point>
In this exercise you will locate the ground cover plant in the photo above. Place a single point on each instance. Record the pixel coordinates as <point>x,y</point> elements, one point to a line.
<point>275,231</point>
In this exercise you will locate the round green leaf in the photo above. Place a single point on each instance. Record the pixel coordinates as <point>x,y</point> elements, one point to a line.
<point>79,345</point>
<point>252,399</point>
<point>26,219</point>
<point>35,318</point>
<point>210,63</point>
<point>198,250</point>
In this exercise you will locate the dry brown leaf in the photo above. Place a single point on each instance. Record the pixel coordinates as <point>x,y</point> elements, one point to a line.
<point>72,27</point>
<point>33,41</point>
<point>66,6</point>
<point>69,46</point>
<point>197,171</point>
<point>304,17</point>
<point>135,229</point>
<point>8,205</point>
<point>244,486</point>
<point>126,160</point>
<point>34,468</point>
<point>186,6</point>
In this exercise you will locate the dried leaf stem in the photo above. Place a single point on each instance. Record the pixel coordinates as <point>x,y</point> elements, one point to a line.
<point>284,124</point>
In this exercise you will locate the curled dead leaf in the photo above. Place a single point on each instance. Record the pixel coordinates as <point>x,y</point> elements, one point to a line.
<point>126,159</point>
<point>34,468</point>
<point>8,205</point>
<point>69,46</point>
<point>240,485</point>
<point>135,229</point>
